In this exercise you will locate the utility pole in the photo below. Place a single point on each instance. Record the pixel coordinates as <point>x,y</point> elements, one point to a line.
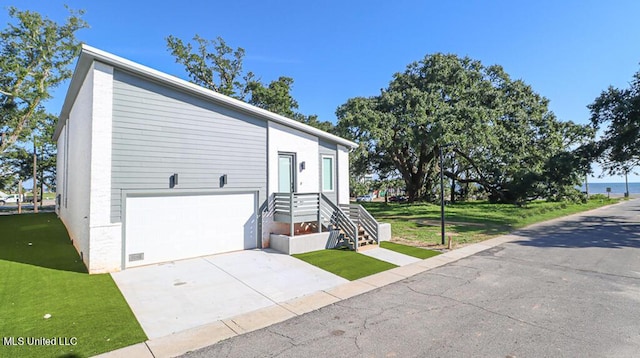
<point>442,231</point>
<point>35,176</point>
<point>441,197</point>
<point>453,181</point>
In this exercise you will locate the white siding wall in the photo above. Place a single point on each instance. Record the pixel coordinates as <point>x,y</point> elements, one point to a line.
<point>60,167</point>
<point>106,238</point>
<point>285,139</point>
<point>74,209</point>
<point>343,175</point>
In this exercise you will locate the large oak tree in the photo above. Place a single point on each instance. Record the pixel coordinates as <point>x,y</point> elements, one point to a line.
<point>617,112</point>
<point>215,65</point>
<point>503,135</point>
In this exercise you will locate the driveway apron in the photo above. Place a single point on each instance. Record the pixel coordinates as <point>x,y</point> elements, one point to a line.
<point>175,296</point>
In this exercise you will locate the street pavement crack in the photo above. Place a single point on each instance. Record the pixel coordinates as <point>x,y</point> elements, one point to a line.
<point>460,302</point>
<point>290,339</point>
<point>532,263</point>
<point>443,275</point>
<point>512,318</point>
<point>467,281</point>
<point>355,341</point>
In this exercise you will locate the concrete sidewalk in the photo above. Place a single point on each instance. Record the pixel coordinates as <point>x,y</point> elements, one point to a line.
<point>211,333</point>
<point>393,257</point>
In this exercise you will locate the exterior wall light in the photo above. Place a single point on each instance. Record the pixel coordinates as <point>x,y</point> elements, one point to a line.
<point>173,180</point>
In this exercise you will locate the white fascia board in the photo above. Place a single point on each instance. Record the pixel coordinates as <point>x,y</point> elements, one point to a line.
<point>90,54</point>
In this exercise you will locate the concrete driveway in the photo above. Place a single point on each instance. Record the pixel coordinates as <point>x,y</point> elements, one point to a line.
<point>175,296</point>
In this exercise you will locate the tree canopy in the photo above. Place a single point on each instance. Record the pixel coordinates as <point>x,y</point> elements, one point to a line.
<point>34,56</point>
<point>215,65</point>
<point>499,134</point>
<point>617,112</point>
<point>17,161</point>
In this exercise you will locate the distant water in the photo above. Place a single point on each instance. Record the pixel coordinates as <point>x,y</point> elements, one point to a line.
<point>616,188</point>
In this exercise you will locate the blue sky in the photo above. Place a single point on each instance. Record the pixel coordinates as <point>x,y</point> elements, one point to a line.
<point>568,51</point>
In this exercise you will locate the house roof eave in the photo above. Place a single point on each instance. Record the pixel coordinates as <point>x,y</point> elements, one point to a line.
<point>90,54</point>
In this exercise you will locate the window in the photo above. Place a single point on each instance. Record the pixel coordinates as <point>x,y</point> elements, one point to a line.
<point>327,173</point>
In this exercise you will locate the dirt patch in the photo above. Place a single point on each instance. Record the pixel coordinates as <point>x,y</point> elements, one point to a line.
<point>432,246</point>
<point>414,243</point>
<point>426,222</point>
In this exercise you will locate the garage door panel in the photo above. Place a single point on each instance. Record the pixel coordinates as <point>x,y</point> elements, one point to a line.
<point>166,228</point>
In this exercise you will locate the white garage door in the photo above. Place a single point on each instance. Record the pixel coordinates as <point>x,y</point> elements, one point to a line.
<point>166,228</point>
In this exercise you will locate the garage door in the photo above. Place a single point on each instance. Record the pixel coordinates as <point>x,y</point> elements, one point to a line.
<point>166,228</point>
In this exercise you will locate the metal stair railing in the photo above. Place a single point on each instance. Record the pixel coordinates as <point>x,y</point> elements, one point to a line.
<point>302,207</point>
<point>368,222</point>
<point>335,216</point>
<point>361,217</point>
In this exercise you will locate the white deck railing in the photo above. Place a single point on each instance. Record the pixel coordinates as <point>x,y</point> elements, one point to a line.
<point>295,208</point>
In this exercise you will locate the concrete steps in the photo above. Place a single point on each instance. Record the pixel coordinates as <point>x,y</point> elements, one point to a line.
<point>365,242</point>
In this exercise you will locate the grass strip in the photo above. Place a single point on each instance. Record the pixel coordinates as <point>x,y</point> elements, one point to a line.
<point>345,263</point>
<point>409,250</point>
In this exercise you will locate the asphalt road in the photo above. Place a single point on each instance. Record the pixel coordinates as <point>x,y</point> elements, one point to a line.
<point>567,288</point>
<point>12,208</point>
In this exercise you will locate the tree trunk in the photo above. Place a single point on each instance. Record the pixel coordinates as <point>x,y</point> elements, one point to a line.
<point>453,190</point>
<point>20,196</point>
<point>412,191</point>
<point>41,188</point>
<point>35,178</point>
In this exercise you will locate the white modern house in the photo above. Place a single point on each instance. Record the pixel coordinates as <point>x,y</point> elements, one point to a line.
<point>152,168</point>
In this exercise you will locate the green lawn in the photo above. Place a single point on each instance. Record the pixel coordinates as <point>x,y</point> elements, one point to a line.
<point>419,224</point>
<point>409,250</point>
<point>41,273</point>
<point>344,263</point>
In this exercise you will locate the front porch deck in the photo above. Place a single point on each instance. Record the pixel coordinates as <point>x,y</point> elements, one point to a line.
<point>322,223</point>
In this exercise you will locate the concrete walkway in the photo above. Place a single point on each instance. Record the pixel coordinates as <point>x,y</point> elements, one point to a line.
<point>217,330</point>
<point>393,257</point>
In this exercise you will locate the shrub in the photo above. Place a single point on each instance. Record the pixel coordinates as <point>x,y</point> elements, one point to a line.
<point>598,197</point>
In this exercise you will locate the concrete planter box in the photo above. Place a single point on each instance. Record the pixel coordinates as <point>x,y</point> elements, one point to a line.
<point>299,244</point>
<point>384,232</point>
<point>313,242</point>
